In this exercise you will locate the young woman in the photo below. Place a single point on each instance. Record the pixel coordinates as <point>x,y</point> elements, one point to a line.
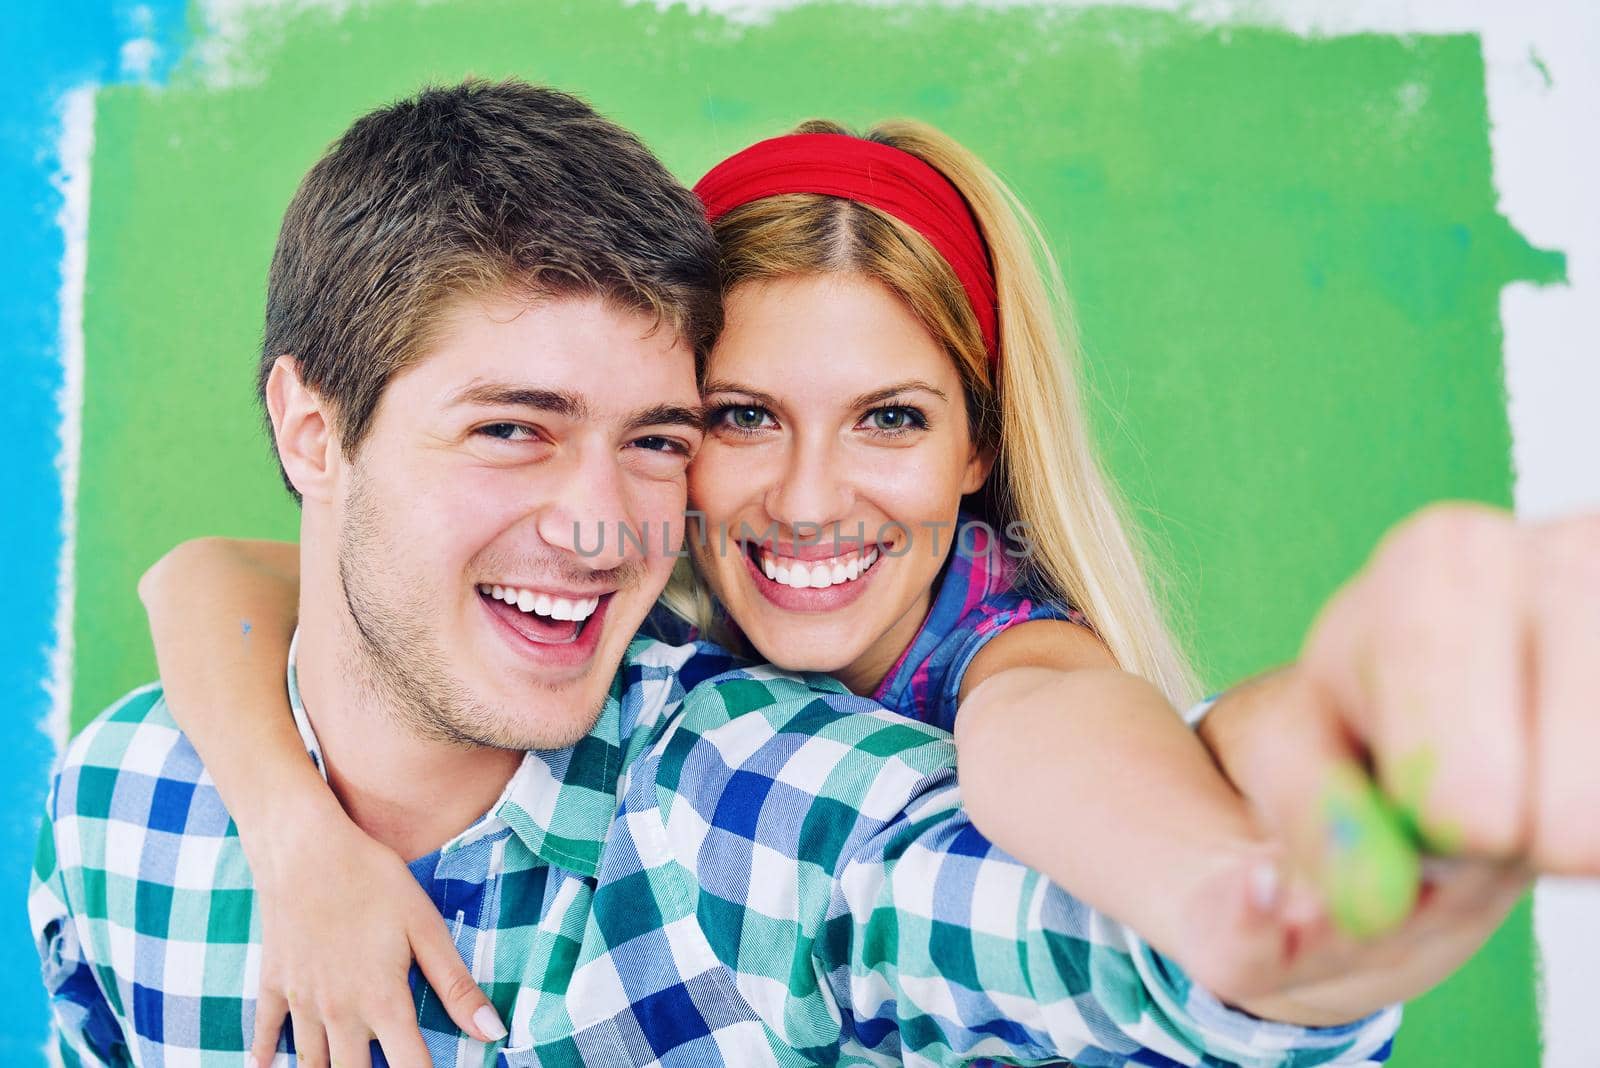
<point>897,488</point>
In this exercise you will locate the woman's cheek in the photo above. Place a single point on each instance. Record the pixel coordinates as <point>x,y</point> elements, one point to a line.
<point>911,487</point>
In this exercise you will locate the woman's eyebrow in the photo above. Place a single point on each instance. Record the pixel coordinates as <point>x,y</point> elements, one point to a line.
<point>721,385</point>
<point>913,385</point>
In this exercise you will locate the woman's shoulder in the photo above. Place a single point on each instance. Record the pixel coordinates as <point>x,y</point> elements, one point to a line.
<point>985,591</point>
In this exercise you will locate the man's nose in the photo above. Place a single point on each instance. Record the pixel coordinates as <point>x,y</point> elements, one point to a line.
<point>591,516</point>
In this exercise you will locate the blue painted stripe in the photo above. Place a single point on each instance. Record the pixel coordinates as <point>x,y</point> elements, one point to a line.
<point>45,50</point>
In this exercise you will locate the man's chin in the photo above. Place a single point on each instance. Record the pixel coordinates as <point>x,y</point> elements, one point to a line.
<point>552,701</point>
<point>552,733</point>
<point>541,717</point>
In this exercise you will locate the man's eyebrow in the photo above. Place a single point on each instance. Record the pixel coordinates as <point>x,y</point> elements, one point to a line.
<point>554,401</point>
<point>912,385</point>
<point>668,415</point>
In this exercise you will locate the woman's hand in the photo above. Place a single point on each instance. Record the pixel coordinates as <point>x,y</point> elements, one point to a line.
<point>1449,698</point>
<point>1257,935</point>
<point>341,919</point>
<point>1447,703</point>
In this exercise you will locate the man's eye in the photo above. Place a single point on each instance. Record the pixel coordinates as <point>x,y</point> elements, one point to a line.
<point>657,443</point>
<point>506,431</point>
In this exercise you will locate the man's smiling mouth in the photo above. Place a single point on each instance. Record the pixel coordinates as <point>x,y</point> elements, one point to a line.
<point>539,616</point>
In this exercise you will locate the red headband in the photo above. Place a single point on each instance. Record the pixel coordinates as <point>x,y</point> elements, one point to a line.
<point>874,174</point>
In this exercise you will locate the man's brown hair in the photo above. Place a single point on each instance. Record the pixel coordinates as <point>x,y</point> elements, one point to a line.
<point>476,188</point>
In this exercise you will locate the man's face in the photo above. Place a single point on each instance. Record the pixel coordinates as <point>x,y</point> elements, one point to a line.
<point>479,523</point>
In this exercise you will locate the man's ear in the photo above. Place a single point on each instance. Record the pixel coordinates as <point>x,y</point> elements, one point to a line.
<point>304,434</point>
<point>978,468</point>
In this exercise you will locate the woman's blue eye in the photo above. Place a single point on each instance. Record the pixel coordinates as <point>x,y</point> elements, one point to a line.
<point>895,417</point>
<point>745,417</point>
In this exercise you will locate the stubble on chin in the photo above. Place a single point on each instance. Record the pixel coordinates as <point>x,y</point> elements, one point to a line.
<point>388,647</point>
<point>391,650</point>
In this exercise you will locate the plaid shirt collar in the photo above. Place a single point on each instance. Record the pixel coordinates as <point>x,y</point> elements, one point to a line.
<point>560,802</point>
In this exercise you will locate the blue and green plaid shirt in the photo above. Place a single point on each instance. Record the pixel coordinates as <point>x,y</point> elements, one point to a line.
<point>751,869</point>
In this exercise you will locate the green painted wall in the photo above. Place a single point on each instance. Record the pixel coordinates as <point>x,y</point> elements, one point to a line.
<point>1285,255</point>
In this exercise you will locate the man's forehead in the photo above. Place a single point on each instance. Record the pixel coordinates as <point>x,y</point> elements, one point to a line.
<point>581,354</point>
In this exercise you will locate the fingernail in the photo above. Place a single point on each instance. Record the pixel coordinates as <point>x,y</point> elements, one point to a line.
<point>1265,886</point>
<point>489,1024</point>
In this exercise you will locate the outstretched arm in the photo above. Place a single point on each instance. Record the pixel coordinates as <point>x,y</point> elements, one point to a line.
<point>1443,703</point>
<point>1013,957</point>
<point>1412,770</point>
<point>1088,775</point>
<point>342,915</point>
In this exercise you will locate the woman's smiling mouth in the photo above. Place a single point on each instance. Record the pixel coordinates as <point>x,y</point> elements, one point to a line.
<point>820,584</point>
<point>814,574</point>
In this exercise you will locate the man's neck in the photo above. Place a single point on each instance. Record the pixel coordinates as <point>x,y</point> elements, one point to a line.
<point>413,794</point>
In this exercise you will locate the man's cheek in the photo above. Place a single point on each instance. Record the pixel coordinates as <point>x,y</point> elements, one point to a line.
<point>661,512</point>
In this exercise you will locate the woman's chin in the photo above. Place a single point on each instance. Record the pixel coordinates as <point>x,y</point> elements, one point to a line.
<point>803,653</point>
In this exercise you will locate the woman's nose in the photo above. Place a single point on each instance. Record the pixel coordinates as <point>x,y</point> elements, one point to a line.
<point>811,489</point>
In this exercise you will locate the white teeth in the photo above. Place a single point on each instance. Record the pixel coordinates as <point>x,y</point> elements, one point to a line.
<point>542,603</point>
<point>818,575</point>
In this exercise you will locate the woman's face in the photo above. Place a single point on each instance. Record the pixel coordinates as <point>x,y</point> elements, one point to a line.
<point>836,459</point>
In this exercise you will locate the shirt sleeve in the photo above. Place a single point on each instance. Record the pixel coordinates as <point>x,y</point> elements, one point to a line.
<point>948,663</point>
<point>938,936</point>
<point>87,1029</point>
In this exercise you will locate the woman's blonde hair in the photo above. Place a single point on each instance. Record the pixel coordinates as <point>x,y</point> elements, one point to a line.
<point>1046,475</point>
